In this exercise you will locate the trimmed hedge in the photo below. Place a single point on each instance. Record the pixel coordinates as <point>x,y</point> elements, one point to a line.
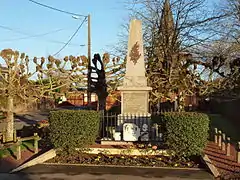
<point>186,132</point>
<point>70,129</point>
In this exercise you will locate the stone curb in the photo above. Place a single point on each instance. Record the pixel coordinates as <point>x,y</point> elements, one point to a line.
<point>120,166</point>
<point>210,165</point>
<point>38,160</point>
<point>127,151</point>
<point>52,153</point>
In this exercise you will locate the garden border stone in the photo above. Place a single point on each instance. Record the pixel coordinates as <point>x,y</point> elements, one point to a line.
<point>115,143</point>
<point>38,160</point>
<point>135,152</point>
<point>127,151</point>
<point>210,165</point>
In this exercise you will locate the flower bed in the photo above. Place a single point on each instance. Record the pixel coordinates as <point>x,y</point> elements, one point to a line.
<point>123,160</point>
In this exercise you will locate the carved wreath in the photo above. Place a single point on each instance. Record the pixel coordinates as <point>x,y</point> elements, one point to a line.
<point>134,53</point>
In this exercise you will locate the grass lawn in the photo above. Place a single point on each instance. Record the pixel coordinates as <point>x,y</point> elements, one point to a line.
<point>12,150</point>
<point>218,121</point>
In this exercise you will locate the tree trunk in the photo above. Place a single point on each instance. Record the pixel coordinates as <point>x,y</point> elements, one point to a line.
<point>181,102</point>
<point>175,105</point>
<point>101,103</point>
<point>9,120</point>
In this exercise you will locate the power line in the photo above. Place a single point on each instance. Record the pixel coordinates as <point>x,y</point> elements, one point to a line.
<point>59,10</point>
<point>70,44</point>
<point>11,29</point>
<point>33,36</point>
<point>71,37</point>
<point>36,35</point>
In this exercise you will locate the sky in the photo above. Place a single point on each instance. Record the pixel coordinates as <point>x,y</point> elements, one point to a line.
<point>27,19</point>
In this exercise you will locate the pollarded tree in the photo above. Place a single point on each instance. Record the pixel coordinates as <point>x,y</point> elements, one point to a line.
<point>222,55</point>
<point>106,75</point>
<point>16,79</point>
<point>172,31</point>
<point>115,70</point>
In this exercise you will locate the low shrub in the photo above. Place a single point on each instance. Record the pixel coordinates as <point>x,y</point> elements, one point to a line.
<point>70,129</point>
<point>186,132</point>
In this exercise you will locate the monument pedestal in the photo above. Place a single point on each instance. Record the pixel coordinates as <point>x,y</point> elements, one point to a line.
<point>134,100</point>
<point>134,110</point>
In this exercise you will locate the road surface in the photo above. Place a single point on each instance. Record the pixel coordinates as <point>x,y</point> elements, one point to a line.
<point>63,172</point>
<point>26,119</point>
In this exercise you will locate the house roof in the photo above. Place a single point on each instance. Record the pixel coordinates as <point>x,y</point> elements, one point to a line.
<point>3,69</point>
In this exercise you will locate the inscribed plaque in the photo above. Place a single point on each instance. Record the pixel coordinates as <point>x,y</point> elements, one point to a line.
<point>135,102</point>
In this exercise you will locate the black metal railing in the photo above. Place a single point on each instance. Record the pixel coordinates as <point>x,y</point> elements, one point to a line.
<point>132,127</point>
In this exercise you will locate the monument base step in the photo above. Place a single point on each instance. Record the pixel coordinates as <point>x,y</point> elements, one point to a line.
<point>115,143</point>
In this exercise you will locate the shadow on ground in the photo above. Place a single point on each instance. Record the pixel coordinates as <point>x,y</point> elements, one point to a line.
<point>145,173</point>
<point>6,165</point>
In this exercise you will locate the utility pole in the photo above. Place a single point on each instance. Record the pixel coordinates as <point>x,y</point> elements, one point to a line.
<point>89,60</point>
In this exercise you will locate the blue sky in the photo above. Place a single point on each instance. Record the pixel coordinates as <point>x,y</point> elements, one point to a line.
<point>25,17</point>
<point>31,19</point>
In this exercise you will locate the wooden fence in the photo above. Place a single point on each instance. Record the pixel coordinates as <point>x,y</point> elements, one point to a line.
<point>18,141</point>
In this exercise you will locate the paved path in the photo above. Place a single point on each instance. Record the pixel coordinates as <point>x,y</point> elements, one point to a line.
<point>59,172</point>
<point>32,117</point>
<point>225,164</point>
<point>27,119</point>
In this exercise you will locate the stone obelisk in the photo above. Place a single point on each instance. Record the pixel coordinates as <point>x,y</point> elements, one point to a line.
<point>135,92</point>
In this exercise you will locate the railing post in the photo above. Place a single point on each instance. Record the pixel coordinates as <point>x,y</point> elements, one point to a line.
<point>228,146</point>
<point>4,137</point>
<point>223,142</point>
<point>36,138</point>
<point>19,143</point>
<point>154,137</point>
<point>157,132</point>
<point>216,135</point>
<point>14,136</point>
<point>220,138</point>
<point>238,152</point>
